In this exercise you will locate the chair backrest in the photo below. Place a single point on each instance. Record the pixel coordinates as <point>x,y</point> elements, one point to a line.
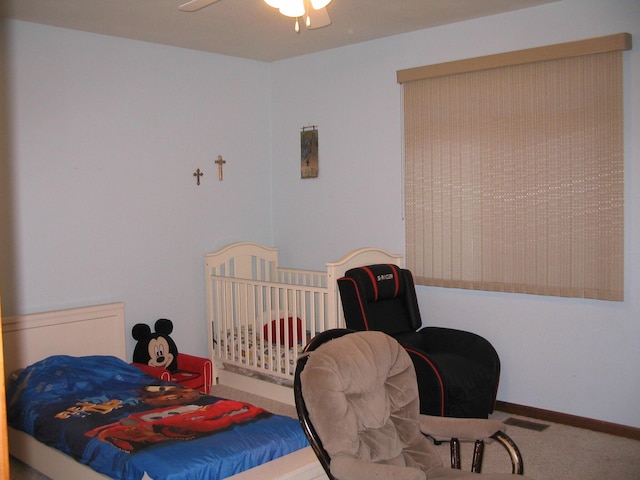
<point>380,297</point>
<point>301,407</point>
<point>359,394</point>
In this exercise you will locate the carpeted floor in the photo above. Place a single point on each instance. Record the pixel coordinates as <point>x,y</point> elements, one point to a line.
<point>551,451</point>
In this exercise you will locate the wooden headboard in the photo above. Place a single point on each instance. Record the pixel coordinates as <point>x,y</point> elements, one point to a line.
<point>92,330</point>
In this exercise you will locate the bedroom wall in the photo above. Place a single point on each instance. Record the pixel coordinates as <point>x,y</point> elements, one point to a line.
<point>105,135</point>
<point>567,355</point>
<point>99,203</point>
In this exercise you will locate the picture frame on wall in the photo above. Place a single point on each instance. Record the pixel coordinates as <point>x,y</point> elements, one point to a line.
<point>309,152</point>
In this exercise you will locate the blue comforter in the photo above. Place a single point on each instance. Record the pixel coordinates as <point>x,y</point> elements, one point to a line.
<point>123,423</point>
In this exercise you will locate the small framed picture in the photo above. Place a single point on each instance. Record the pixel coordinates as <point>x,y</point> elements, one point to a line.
<point>309,152</point>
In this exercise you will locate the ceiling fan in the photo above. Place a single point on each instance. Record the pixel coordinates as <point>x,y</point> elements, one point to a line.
<point>314,12</point>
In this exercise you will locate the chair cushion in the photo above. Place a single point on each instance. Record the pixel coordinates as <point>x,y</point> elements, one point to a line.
<point>467,384</point>
<point>195,381</point>
<point>188,379</point>
<point>361,394</point>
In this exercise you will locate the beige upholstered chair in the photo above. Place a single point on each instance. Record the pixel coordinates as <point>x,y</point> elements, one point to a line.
<point>357,399</point>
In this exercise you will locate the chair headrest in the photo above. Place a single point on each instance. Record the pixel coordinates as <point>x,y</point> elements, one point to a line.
<point>379,282</point>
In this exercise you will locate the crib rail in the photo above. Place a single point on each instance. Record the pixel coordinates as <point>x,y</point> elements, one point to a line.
<point>261,325</point>
<point>310,278</point>
<point>253,307</point>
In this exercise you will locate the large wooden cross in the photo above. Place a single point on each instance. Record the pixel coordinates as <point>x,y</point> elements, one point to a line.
<point>220,162</point>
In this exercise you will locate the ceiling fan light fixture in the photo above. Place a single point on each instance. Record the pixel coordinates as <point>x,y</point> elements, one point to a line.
<point>292,8</point>
<point>303,8</point>
<point>318,4</point>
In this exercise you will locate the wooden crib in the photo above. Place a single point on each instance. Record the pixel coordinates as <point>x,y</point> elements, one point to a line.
<point>260,315</point>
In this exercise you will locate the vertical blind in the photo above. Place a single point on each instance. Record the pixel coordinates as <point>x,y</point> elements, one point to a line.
<point>514,175</point>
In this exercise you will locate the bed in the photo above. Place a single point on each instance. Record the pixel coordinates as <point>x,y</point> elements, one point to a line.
<point>28,340</point>
<point>260,315</point>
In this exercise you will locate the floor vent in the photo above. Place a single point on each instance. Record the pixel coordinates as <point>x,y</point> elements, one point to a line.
<point>516,422</point>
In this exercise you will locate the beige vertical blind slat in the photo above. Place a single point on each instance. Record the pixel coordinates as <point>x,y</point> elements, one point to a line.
<point>514,178</point>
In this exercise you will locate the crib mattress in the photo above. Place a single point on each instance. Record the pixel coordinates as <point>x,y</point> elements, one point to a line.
<point>240,345</point>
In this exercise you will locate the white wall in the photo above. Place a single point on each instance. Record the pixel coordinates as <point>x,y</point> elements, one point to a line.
<point>569,355</point>
<point>106,134</point>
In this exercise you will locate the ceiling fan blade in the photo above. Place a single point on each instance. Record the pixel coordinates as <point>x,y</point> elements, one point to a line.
<point>194,5</point>
<point>319,18</point>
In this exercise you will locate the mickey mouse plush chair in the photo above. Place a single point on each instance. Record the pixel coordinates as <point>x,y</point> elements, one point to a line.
<point>157,354</point>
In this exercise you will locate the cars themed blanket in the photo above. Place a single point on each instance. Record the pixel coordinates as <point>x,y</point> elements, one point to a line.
<point>125,424</point>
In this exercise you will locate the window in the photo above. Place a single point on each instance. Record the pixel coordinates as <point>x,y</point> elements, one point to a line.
<point>514,171</point>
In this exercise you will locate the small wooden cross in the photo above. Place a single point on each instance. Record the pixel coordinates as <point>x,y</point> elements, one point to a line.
<point>198,174</point>
<point>220,162</point>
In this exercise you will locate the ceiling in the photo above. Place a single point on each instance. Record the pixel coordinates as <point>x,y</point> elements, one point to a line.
<point>250,28</point>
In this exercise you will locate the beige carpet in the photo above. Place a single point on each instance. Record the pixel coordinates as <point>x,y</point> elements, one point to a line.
<point>556,453</point>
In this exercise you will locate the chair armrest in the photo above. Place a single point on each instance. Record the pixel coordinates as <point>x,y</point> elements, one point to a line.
<point>158,372</point>
<point>354,469</point>
<point>464,429</point>
<point>191,363</point>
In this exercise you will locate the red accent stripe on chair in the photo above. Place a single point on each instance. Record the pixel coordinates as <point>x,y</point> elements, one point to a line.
<point>357,290</point>
<point>373,282</point>
<point>396,276</point>
<point>433,367</point>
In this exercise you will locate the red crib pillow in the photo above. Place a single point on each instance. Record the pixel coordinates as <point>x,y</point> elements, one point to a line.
<point>270,331</point>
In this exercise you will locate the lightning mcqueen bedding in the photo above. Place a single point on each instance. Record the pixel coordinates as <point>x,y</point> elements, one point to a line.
<point>123,423</point>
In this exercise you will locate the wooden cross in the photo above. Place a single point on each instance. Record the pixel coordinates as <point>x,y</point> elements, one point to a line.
<point>198,174</point>
<point>220,162</point>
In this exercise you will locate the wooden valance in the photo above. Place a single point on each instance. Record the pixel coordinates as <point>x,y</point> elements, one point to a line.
<point>609,43</point>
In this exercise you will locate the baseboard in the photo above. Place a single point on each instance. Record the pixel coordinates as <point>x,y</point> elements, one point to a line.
<point>571,420</point>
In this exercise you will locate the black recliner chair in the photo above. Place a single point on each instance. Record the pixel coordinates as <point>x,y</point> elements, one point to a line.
<point>458,372</point>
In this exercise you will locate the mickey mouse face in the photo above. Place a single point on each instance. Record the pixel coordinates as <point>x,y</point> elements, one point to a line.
<point>159,353</point>
<point>156,349</point>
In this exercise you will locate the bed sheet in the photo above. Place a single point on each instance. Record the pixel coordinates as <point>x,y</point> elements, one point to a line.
<point>124,423</point>
<point>238,343</point>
